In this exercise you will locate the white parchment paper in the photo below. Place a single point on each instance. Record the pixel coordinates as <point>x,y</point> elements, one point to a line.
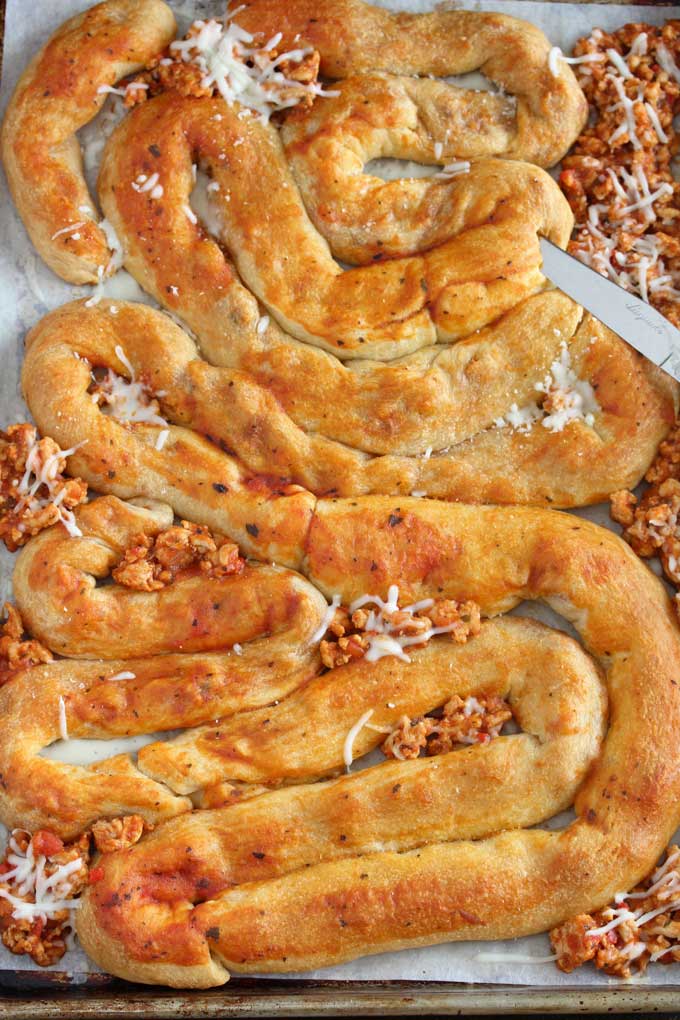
<point>28,289</point>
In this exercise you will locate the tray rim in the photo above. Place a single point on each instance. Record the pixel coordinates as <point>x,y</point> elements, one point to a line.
<point>24,998</point>
<point>270,998</point>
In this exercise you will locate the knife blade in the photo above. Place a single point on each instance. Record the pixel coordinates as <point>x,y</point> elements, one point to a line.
<point>642,326</point>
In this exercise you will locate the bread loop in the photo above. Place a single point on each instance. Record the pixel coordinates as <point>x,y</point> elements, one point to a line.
<point>113,39</point>
<point>365,218</point>
<point>398,806</point>
<point>266,515</point>
<point>353,37</point>
<point>162,660</point>
<point>391,308</point>
<point>296,416</point>
<point>303,738</point>
<point>257,893</point>
<point>64,87</point>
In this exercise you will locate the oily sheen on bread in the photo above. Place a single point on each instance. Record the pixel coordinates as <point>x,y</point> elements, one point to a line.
<point>63,87</point>
<point>262,892</point>
<point>236,460</point>
<point>138,662</point>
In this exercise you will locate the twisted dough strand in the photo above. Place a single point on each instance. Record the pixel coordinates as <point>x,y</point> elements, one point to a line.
<point>353,37</point>
<point>265,514</point>
<point>50,103</point>
<point>176,643</point>
<point>488,261</point>
<point>450,396</point>
<point>389,896</point>
<point>62,89</point>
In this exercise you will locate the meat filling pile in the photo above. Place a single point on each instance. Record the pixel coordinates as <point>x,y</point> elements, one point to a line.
<point>618,177</point>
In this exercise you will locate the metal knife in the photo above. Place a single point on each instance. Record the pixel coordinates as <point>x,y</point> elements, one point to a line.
<point>642,326</point>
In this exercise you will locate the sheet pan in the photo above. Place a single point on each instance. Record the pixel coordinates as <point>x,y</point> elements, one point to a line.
<point>438,976</point>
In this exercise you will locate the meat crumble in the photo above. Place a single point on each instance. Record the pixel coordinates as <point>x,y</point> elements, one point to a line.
<point>34,494</point>
<point>463,721</point>
<point>153,563</point>
<point>17,651</point>
<point>617,178</point>
<point>640,927</point>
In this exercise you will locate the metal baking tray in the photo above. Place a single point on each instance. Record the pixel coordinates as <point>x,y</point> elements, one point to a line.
<point>34,995</point>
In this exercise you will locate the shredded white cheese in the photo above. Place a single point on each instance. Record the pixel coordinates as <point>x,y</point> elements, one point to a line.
<point>262,324</point>
<point>348,747</point>
<point>665,886</point>
<point>656,124</point>
<point>491,957</point>
<point>71,229</point>
<point>521,419</point>
<point>380,632</point>
<point>240,72</point>
<point>619,63</point>
<point>63,727</point>
<point>237,649</point>
<point>326,620</point>
<point>666,62</point>
<point>628,106</point>
<point>556,55</point>
<point>131,87</point>
<point>144,184</point>
<point>453,170</point>
<point>162,438</point>
<point>115,247</point>
<point>36,475</point>
<point>98,289</point>
<point>575,398</point>
<point>130,401</point>
<point>27,878</point>
<point>123,675</point>
<point>629,269</point>
<point>649,199</point>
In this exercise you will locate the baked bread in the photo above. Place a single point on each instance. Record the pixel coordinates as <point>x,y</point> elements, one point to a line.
<point>353,37</point>
<point>110,41</point>
<point>235,459</point>
<point>261,892</point>
<point>436,342</point>
<point>414,371</point>
<point>138,661</point>
<point>62,88</point>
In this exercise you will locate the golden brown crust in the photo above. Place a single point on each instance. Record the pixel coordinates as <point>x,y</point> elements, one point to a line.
<point>115,38</point>
<point>318,400</point>
<point>365,218</point>
<point>304,427</point>
<point>488,257</point>
<point>56,95</point>
<point>266,515</point>
<point>497,886</point>
<point>174,649</point>
<point>353,37</point>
